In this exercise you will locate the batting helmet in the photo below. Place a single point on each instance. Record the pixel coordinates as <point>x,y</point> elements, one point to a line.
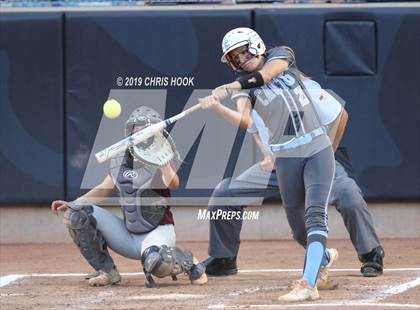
<point>239,37</point>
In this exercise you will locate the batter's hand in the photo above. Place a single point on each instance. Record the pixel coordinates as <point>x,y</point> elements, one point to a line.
<point>267,164</point>
<point>209,102</point>
<point>58,205</point>
<point>221,92</point>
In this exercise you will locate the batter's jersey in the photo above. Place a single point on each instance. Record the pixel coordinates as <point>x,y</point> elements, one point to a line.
<point>287,109</point>
<point>328,109</point>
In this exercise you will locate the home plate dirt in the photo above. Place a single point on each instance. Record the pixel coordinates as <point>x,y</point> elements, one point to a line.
<point>51,277</point>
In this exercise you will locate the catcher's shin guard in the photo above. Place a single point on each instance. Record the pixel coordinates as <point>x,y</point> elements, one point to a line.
<point>82,228</point>
<point>170,261</point>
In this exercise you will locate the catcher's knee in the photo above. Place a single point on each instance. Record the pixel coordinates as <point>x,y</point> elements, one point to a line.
<point>151,260</point>
<point>82,227</point>
<point>78,219</point>
<point>170,261</point>
<point>166,261</point>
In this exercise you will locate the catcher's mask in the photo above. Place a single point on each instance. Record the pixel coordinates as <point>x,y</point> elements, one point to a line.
<point>157,150</point>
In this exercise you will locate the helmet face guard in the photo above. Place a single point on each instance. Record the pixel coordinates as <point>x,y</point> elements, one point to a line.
<point>134,125</point>
<point>140,118</point>
<point>234,61</point>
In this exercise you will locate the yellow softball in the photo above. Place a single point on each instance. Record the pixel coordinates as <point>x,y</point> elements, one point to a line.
<point>112,108</point>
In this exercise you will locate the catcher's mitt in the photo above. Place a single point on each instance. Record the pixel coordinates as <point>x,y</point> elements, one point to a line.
<point>157,150</point>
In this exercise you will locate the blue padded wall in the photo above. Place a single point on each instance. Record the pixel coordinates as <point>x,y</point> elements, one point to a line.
<point>31,108</point>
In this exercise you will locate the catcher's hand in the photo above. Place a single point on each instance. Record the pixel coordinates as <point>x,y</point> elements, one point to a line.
<point>58,205</point>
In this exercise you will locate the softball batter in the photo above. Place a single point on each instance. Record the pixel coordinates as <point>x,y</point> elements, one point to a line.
<point>143,177</point>
<point>261,178</point>
<point>271,84</point>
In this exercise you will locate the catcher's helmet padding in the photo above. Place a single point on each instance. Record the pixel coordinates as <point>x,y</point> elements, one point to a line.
<point>142,116</point>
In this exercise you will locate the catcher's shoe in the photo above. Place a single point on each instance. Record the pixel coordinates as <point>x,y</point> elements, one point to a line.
<point>198,273</point>
<point>224,266</point>
<point>106,278</point>
<point>301,291</point>
<point>373,265</point>
<point>323,283</point>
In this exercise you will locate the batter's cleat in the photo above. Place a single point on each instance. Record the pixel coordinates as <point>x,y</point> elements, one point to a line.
<point>301,291</point>
<point>198,273</point>
<point>224,266</point>
<point>106,278</point>
<point>373,265</point>
<point>92,274</point>
<point>323,283</point>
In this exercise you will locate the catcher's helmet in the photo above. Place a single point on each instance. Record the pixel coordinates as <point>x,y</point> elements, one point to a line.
<point>157,150</point>
<point>240,37</point>
<point>142,116</point>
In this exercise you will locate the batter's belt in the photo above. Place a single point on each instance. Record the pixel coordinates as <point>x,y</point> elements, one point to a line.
<point>298,141</point>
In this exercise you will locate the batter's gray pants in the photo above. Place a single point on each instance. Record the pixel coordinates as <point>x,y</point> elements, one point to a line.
<point>346,196</point>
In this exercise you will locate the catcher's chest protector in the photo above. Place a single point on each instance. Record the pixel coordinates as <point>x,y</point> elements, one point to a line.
<point>141,214</point>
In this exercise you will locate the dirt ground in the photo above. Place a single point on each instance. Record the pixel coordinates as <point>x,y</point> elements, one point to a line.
<point>52,279</point>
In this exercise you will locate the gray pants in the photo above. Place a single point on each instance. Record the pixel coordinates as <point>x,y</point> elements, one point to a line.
<point>93,229</point>
<point>305,185</point>
<point>346,196</point>
<point>125,243</point>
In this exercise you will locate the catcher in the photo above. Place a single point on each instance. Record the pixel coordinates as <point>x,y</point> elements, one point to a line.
<point>144,177</point>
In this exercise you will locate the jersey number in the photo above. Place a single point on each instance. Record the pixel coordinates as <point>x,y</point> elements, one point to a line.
<point>290,128</point>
